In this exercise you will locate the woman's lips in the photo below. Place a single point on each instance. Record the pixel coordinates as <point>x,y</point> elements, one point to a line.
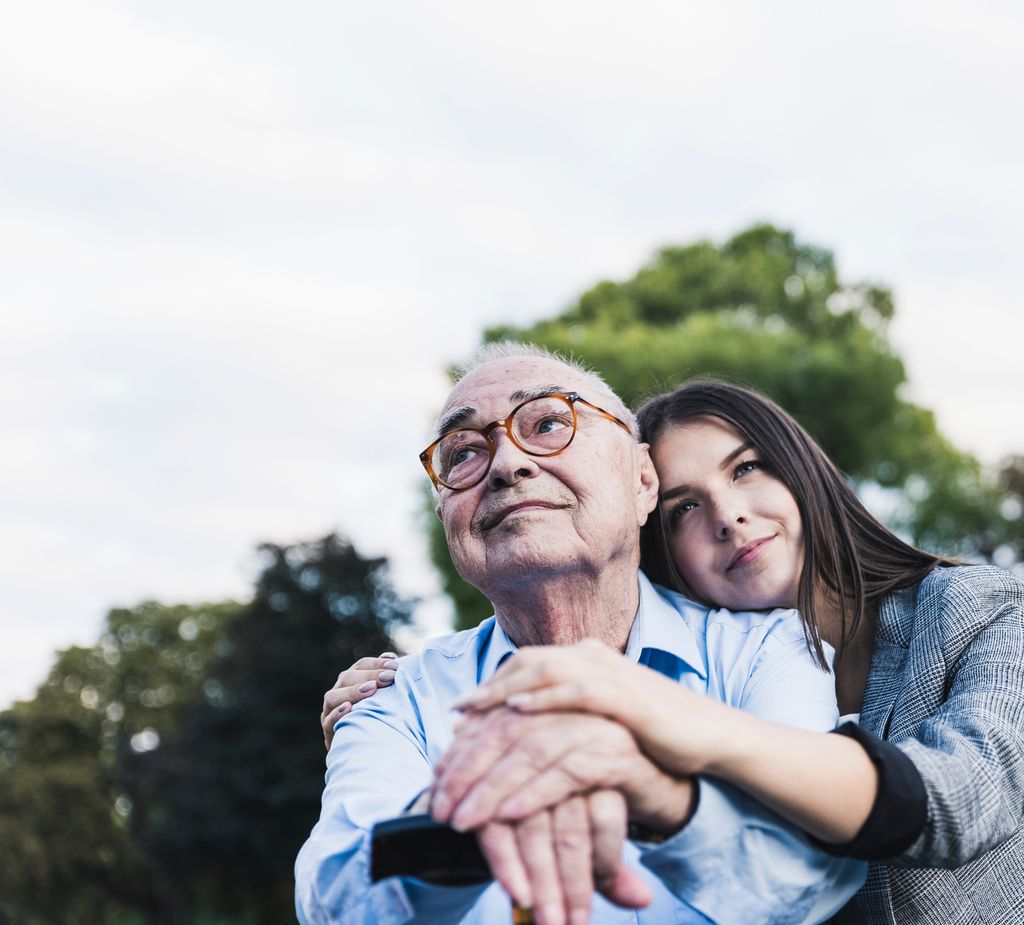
<point>747,554</point>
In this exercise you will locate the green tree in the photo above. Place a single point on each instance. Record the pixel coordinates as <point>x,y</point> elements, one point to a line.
<point>233,794</point>
<point>68,851</point>
<point>60,843</point>
<point>168,774</point>
<point>769,311</point>
<point>1011,481</point>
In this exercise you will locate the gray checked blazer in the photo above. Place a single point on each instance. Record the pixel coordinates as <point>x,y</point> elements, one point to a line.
<point>947,687</point>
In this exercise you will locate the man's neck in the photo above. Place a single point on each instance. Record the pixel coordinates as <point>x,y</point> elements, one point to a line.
<point>565,608</point>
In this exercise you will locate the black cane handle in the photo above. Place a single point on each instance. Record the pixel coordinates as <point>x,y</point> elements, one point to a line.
<point>416,846</point>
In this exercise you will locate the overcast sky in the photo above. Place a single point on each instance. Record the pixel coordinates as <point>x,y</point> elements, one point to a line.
<point>239,242</point>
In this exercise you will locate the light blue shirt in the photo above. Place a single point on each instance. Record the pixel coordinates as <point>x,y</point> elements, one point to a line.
<point>734,862</point>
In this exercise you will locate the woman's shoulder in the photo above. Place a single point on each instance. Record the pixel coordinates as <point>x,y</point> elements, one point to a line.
<point>953,599</point>
<point>970,587</point>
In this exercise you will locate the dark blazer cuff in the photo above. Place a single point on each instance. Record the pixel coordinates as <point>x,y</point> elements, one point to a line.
<point>900,811</point>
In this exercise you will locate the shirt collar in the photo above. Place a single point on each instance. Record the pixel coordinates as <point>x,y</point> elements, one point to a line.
<point>666,621</point>
<point>663,621</point>
<point>497,647</point>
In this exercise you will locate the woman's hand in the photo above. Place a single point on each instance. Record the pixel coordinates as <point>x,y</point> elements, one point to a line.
<point>355,684</point>
<point>681,731</point>
<point>503,766</point>
<point>824,784</point>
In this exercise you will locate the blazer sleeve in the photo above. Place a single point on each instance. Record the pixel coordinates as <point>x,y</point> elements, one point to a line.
<point>969,751</point>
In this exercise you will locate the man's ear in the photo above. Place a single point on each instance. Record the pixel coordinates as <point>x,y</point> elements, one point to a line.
<point>647,483</point>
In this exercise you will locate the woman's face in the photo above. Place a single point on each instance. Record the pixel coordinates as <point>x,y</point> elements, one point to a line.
<point>734,530</point>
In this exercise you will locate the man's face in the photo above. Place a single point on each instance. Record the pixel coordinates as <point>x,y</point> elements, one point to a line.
<point>538,517</point>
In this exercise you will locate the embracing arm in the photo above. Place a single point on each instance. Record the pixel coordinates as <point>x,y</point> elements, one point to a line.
<point>734,860</point>
<point>355,684</point>
<point>824,784</point>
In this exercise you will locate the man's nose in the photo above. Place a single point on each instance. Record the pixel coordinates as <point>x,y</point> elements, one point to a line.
<point>510,463</point>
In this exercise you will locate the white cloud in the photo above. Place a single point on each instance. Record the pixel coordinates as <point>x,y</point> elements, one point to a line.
<point>242,241</point>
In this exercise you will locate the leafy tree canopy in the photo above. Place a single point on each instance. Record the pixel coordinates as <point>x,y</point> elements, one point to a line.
<point>169,773</point>
<point>769,311</point>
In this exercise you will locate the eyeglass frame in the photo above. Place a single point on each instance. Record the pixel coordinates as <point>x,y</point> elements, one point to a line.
<point>571,398</point>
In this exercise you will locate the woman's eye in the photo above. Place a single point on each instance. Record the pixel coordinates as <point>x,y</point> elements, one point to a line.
<point>676,512</point>
<point>747,466</point>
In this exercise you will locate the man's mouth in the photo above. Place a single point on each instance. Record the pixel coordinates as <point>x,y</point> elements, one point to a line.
<point>492,519</point>
<point>747,554</point>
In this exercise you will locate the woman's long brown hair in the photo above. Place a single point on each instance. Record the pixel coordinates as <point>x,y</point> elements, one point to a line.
<point>847,552</point>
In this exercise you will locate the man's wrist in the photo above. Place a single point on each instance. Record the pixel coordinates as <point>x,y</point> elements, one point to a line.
<point>666,810</point>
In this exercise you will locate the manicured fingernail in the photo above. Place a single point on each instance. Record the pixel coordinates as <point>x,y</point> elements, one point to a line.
<point>385,677</point>
<point>390,663</point>
<point>388,655</point>
<point>465,700</point>
<point>344,708</point>
<point>366,686</point>
<point>520,700</point>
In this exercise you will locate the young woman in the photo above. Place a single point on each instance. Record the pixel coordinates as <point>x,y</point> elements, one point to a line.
<point>930,784</point>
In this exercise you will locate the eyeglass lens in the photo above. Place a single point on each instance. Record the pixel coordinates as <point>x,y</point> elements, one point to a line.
<point>542,427</point>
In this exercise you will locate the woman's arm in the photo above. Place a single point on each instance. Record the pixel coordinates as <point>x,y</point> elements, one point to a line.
<point>825,784</point>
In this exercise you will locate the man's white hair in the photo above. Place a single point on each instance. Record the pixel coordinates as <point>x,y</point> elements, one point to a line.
<point>601,395</point>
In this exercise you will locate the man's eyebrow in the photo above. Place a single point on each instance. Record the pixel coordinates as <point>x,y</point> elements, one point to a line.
<point>454,418</point>
<point>458,416</point>
<point>539,392</point>
<point>685,488</point>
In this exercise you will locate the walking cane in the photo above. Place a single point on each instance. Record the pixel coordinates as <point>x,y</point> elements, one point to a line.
<point>416,846</point>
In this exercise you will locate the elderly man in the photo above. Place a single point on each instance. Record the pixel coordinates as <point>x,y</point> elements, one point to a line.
<point>542,490</point>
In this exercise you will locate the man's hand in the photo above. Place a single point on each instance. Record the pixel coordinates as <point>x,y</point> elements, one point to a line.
<point>549,796</point>
<point>504,766</point>
<point>355,684</point>
<point>553,860</point>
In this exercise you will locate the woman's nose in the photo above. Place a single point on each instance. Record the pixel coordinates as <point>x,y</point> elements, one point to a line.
<point>727,518</point>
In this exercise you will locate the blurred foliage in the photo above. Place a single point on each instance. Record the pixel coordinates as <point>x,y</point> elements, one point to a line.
<point>170,773</point>
<point>1011,481</point>
<point>771,312</point>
